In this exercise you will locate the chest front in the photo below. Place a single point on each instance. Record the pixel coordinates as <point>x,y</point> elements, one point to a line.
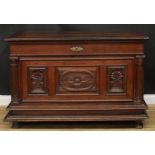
<point>77,79</point>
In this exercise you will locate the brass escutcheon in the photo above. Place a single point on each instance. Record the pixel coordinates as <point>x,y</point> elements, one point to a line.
<point>76,49</point>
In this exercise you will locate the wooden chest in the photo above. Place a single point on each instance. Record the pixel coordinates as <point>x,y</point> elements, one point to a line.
<point>76,77</point>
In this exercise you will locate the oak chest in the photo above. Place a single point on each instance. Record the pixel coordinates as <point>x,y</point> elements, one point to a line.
<point>76,77</point>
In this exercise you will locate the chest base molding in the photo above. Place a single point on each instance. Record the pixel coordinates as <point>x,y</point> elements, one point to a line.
<point>124,115</point>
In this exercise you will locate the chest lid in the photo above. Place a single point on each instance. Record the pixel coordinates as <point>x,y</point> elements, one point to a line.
<point>62,36</point>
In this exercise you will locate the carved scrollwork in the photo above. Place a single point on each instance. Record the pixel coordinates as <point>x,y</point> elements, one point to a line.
<point>73,80</point>
<point>77,81</point>
<point>37,80</point>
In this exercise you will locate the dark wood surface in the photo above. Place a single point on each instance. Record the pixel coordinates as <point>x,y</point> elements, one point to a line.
<point>52,36</point>
<point>149,124</point>
<point>76,77</point>
<point>64,48</point>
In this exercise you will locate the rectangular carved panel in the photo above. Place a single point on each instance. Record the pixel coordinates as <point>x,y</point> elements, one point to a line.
<point>37,80</point>
<point>77,79</point>
<point>117,79</point>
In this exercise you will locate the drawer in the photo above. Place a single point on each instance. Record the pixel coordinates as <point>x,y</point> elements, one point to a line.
<point>73,48</point>
<point>76,81</point>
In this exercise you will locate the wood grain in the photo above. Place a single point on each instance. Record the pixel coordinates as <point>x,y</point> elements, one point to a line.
<point>149,124</point>
<point>65,84</point>
<point>63,48</point>
<point>73,35</point>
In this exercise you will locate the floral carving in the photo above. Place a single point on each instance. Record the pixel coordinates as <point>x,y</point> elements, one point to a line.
<point>81,80</point>
<point>116,82</point>
<point>37,83</point>
<point>116,75</point>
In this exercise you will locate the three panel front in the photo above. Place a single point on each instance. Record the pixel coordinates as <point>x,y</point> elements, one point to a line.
<point>78,80</point>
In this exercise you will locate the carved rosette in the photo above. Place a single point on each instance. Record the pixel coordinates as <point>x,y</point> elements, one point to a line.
<point>116,75</point>
<point>116,79</point>
<point>77,80</point>
<point>37,80</point>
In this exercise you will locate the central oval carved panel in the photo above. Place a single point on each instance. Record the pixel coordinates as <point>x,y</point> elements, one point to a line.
<point>77,80</point>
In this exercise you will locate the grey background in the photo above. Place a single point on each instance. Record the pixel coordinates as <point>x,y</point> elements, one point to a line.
<point>148,29</point>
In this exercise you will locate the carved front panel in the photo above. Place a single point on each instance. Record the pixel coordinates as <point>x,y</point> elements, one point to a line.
<point>37,77</point>
<point>77,79</point>
<point>117,79</point>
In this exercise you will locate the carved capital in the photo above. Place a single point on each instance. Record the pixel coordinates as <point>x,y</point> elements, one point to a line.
<point>14,60</point>
<point>139,61</point>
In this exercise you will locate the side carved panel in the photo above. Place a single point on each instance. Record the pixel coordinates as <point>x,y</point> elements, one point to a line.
<point>117,79</point>
<point>77,79</point>
<point>37,80</point>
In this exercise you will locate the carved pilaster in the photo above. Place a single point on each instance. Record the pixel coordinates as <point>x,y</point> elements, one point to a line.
<point>139,71</point>
<point>14,68</point>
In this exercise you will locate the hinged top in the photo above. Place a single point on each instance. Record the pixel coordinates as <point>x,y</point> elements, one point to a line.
<point>62,36</point>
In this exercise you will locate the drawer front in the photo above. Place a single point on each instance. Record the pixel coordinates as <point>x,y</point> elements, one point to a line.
<point>85,80</point>
<point>77,48</point>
